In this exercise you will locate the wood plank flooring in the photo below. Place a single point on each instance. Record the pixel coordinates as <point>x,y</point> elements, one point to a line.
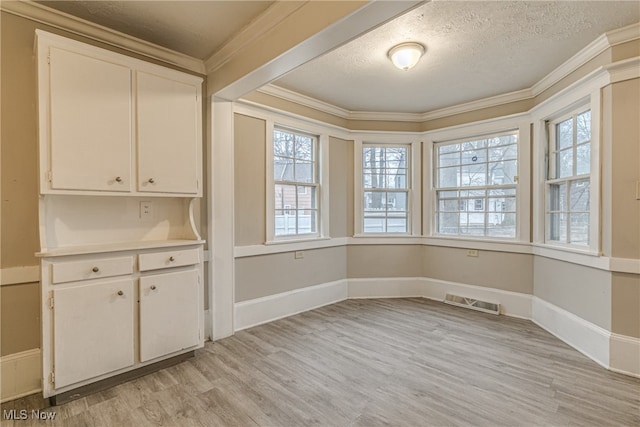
<point>385,362</point>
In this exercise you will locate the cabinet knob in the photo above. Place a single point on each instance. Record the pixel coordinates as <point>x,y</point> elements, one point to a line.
<point>171,259</point>
<point>153,287</point>
<point>120,293</point>
<point>118,179</point>
<point>151,181</point>
<point>95,269</point>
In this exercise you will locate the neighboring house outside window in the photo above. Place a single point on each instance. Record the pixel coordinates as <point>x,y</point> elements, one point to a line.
<point>475,181</point>
<point>568,184</point>
<point>296,183</point>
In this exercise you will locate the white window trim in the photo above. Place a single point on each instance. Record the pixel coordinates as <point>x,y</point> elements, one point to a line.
<point>517,122</point>
<point>413,180</point>
<point>272,121</point>
<point>584,96</point>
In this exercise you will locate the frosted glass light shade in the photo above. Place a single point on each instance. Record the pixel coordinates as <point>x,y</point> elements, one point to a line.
<point>406,55</point>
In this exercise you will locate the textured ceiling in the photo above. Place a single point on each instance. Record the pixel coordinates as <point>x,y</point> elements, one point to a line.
<point>196,28</point>
<point>475,50</point>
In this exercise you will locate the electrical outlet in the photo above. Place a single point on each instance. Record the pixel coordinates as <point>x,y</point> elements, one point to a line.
<point>146,210</point>
<point>298,255</point>
<point>472,252</point>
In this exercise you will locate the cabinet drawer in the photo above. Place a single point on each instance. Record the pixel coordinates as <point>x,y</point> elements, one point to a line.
<point>168,259</point>
<point>71,271</point>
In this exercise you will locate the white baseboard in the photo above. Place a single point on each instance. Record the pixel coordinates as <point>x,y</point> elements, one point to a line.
<point>625,355</point>
<point>20,374</point>
<point>586,337</point>
<point>392,287</point>
<point>273,307</point>
<point>512,304</point>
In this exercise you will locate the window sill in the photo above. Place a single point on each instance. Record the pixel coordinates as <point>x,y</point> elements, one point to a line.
<point>497,245</point>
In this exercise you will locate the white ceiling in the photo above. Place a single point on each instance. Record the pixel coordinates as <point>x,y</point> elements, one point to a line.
<point>475,49</point>
<point>196,28</point>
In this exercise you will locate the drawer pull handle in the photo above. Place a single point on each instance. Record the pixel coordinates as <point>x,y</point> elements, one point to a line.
<point>95,269</point>
<point>151,181</point>
<point>118,179</point>
<point>153,287</point>
<point>171,259</point>
<point>120,293</point>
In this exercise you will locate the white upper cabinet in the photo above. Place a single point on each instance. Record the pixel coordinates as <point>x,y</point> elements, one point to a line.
<point>115,125</point>
<point>90,123</point>
<point>168,135</point>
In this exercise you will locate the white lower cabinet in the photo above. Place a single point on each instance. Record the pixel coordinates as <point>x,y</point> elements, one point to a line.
<point>93,326</point>
<point>168,313</point>
<point>105,314</point>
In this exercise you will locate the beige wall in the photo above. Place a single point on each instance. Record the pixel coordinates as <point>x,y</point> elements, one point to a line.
<point>371,261</point>
<point>583,291</point>
<point>501,270</point>
<point>625,304</point>
<point>625,168</point>
<point>249,176</point>
<point>19,317</point>
<point>264,275</point>
<point>341,187</point>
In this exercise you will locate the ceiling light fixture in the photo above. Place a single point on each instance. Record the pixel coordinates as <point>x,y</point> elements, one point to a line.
<point>406,55</point>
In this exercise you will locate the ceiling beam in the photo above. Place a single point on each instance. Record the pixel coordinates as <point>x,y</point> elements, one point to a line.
<point>307,31</point>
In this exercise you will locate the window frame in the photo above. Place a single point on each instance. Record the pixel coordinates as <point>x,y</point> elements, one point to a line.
<point>483,206</point>
<point>413,182</point>
<point>550,177</point>
<point>518,123</point>
<point>321,172</point>
<point>585,94</point>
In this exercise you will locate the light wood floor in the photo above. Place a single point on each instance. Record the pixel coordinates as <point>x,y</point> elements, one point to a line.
<point>398,362</point>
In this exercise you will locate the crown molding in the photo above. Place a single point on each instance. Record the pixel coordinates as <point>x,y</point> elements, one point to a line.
<point>593,49</point>
<point>63,21</point>
<point>254,30</point>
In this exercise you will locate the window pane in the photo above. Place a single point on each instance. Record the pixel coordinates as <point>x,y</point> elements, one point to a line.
<point>503,192</point>
<point>307,221</point>
<point>306,197</point>
<point>501,225</point>
<point>558,197</point>
<point>474,156</point>
<point>397,223</point>
<point>448,223</point>
<point>285,195</point>
<point>304,147</point>
<point>374,200</point>
<point>450,205</point>
<point>473,193</point>
<point>396,157</point>
<point>583,159</point>
<point>564,134</point>
<point>285,222</point>
<point>473,175</point>
<point>503,153</point>
<point>564,163</point>
<point>579,195</point>
<point>580,228</point>
<point>304,172</point>
<point>502,140</point>
<point>450,148</point>
<point>472,224</point>
<point>374,224</point>
<point>451,159</point>
<point>282,169</point>
<point>397,201</point>
<point>447,194</point>
<point>503,172</point>
<point>583,127</point>
<point>398,180</point>
<point>373,157</point>
<point>448,177</point>
<point>558,227</point>
<point>474,145</point>
<point>282,143</point>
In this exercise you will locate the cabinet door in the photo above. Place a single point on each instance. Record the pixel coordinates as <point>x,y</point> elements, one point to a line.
<point>93,330</point>
<point>168,313</point>
<point>168,135</point>
<point>90,105</point>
